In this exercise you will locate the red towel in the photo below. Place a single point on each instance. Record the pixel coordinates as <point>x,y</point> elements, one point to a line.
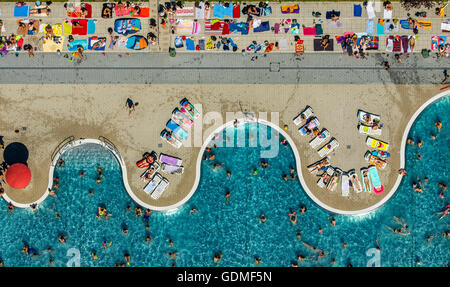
<point>80,30</point>
<point>309,31</point>
<point>236,11</point>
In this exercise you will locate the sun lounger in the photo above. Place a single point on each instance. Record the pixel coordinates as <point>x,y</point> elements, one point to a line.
<point>150,172</point>
<point>374,177</point>
<point>176,129</point>
<point>326,178</point>
<point>150,187</point>
<point>377,144</point>
<point>334,180</point>
<point>363,129</point>
<point>356,184</point>
<point>303,116</point>
<point>319,139</point>
<point>345,186</point>
<point>328,148</point>
<point>375,160</point>
<point>163,158</point>
<point>366,182</point>
<point>166,135</point>
<point>181,119</point>
<point>321,164</point>
<point>172,169</point>
<point>160,189</point>
<point>189,108</point>
<point>309,126</point>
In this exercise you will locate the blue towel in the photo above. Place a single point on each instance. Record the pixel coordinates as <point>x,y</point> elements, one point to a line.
<point>370,26</point>
<point>190,44</point>
<point>219,11</point>
<point>228,11</point>
<point>386,27</point>
<point>319,30</point>
<point>23,11</point>
<point>73,46</point>
<point>328,14</point>
<point>404,24</point>
<point>357,10</point>
<point>91,27</point>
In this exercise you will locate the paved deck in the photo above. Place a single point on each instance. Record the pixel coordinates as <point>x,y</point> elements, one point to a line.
<point>51,113</point>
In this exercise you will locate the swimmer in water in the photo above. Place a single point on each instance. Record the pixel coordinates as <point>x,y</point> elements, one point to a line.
<point>263,218</point>
<point>138,211</point>
<point>433,137</point>
<point>94,255</point>
<point>62,238</point>
<point>257,260</point>
<point>82,173</point>
<point>228,174</point>
<point>299,235</point>
<point>148,238</point>
<point>227,196</point>
<point>302,209</point>
<point>255,171</point>
<point>293,218</point>
<point>420,143</point>
<point>91,191</point>
<point>193,210</point>
<point>170,242</point>
<point>438,124</point>
<point>410,141</point>
<point>105,244</point>
<point>333,221</point>
<point>285,177</point>
<point>125,230</point>
<point>217,257</point>
<point>320,231</point>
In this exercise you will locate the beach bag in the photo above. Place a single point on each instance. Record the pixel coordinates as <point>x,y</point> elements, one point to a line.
<point>172,52</point>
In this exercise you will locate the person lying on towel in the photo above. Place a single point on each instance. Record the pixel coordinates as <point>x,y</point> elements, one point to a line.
<point>325,41</point>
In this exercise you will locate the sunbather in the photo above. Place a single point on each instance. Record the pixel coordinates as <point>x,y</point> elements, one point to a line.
<point>45,10</point>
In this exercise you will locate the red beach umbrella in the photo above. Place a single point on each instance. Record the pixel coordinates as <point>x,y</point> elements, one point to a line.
<point>18,176</point>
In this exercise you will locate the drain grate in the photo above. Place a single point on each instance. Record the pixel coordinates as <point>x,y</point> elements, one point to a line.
<point>274,66</point>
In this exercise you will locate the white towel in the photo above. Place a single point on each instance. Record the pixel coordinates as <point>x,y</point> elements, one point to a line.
<point>282,44</point>
<point>370,10</point>
<point>200,12</point>
<point>445,26</point>
<point>390,45</point>
<point>387,14</point>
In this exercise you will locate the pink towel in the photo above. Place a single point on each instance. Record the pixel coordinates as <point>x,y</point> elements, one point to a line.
<point>309,31</point>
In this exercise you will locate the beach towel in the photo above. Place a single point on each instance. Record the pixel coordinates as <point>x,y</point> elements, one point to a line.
<point>178,42</point>
<point>445,26</point>
<point>219,11</point>
<point>79,30</point>
<point>317,45</point>
<point>67,28</point>
<point>357,10</point>
<point>185,11</point>
<point>397,44</point>
<point>23,11</point>
<point>241,27</point>
<point>299,46</point>
<point>370,10</point>
<point>405,44</point>
<point>190,44</point>
<point>266,11</point>
<point>121,12</point>
<point>127,26</point>
<point>200,11</point>
<point>390,44</point>
<point>374,43</point>
<point>265,26</point>
<point>54,45</point>
<point>335,24</point>
<point>98,42</point>
<point>370,26</point>
<point>107,6</point>
<point>144,12</point>
<point>236,11</point>
<point>91,27</point>
<point>57,29</point>
<point>196,28</point>
<point>387,14</point>
<point>424,24</point>
<point>276,28</point>
<point>213,27</point>
<point>39,13</point>
<point>437,41</point>
<point>380,29</point>
<point>404,24</point>
<point>319,30</point>
<point>309,31</point>
<point>295,28</point>
<point>201,44</point>
<point>73,46</point>
<point>137,42</point>
<point>282,44</point>
<point>25,30</point>
<point>73,10</point>
<point>328,14</point>
<point>185,26</point>
<point>290,9</point>
<point>228,11</point>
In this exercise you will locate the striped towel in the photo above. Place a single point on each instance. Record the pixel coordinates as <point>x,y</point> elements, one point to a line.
<point>424,24</point>
<point>185,26</point>
<point>213,27</point>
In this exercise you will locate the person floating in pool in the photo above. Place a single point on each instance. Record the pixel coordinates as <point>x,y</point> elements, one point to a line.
<point>410,141</point>
<point>170,242</point>
<point>227,196</point>
<point>147,214</point>
<point>106,244</point>
<point>404,227</point>
<point>127,258</point>
<point>137,211</point>
<point>217,257</point>
<point>332,221</point>
<point>293,217</point>
<point>438,124</point>
<point>228,174</point>
<point>262,218</point>
<point>257,260</point>
<point>62,238</point>
<point>94,254</point>
<point>192,211</point>
<point>148,238</point>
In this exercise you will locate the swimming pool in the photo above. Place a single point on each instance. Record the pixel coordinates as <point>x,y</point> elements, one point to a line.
<point>234,228</point>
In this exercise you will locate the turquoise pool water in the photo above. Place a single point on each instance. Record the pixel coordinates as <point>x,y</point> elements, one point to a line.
<point>234,228</point>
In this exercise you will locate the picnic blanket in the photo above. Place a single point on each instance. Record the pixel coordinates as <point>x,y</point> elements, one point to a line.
<point>73,46</point>
<point>97,43</point>
<point>29,27</point>
<point>54,45</point>
<point>127,26</point>
<point>370,26</point>
<point>265,26</point>
<point>73,10</point>
<point>437,41</point>
<point>424,24</point>
<point>185,11</point>
<point>290,9</point>
<point>357,10</point>
<point>23,11</point>
<point>317,45</point>
<point>80,30</point>
<point>309,31</point>
<point>213,27</point>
